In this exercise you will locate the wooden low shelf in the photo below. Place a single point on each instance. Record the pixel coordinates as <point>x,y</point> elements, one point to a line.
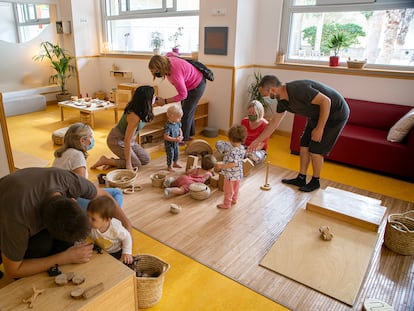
<point>151,136</point>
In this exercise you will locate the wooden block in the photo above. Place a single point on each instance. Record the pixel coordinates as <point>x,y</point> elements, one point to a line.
<point>247,167</point>
<point>214,181</point>
<point>354,195</point>
<point>346,206</point>
<point>192,162</point>
<point>119,282</point>
<point>220,183</point>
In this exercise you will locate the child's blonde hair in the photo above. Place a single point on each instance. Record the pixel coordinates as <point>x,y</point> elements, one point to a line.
<point>174,110</point>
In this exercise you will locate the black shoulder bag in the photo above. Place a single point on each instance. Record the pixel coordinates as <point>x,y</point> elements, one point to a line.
<point>207,73</point>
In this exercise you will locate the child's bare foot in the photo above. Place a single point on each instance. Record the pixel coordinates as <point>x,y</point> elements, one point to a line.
<point>170,169</point>
<point>177,165</point>
<point>222,206</point>
<point>102,161</point>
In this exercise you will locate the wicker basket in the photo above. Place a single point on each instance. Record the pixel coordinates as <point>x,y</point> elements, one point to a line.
<point>199,191</point>
<point>157,179</point>
<point>121,178</point>
<point>399,233</point>
<point>150,271</point>
<point>58,136</point>
<point>356,64</point>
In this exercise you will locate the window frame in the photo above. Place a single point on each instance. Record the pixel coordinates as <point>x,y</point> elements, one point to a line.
<point>289,9</point>
<point>151,13</point>
<point>27,20</point>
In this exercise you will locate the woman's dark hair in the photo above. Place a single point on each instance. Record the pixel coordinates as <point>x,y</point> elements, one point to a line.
<point>141,103</point>
<point>65,220</point>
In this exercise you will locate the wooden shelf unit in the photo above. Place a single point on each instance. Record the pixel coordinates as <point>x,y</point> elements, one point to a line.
<point>133,86</point>
<point>151,136</point>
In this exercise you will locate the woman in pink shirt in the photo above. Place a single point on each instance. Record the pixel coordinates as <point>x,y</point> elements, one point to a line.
<point>188,82</point>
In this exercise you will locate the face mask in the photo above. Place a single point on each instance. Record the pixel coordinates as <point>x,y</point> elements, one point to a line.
<point>158,74</point>
<point>90,146</point>
<point>270,101</point>
<point>252,118</point>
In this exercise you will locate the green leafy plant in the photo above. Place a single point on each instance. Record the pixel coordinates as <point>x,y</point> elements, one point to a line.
<point>253,89</point>
<point>338,42</point>
<point>60,61</point>
<point>156,40</point>
<point>175,37</point>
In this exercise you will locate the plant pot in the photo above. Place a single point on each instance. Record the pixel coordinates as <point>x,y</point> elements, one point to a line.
<point>176,50</point>
<point>333,61</point>
<point>63,97</point>
<point>156,51</point>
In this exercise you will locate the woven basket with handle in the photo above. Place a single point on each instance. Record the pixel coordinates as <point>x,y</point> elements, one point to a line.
<point>399,233</point>
<point>150,271</point>
<point>121,178</point>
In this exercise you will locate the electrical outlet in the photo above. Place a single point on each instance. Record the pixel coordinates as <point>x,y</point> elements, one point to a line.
<point>219,12</point>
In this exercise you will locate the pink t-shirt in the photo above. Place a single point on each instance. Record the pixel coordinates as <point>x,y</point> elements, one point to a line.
<point>252,134</point>
<point>184,76</point>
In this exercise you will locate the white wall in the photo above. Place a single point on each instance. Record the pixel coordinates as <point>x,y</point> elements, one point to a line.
<point>254,27</point>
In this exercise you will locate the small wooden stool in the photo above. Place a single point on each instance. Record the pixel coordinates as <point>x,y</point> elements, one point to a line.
<point>191,162</point>
<point>247,167</point>
<point>59,135</point>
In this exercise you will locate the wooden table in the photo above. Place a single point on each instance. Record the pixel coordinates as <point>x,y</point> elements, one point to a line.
<point>119,291</point>
<point>87,113</point>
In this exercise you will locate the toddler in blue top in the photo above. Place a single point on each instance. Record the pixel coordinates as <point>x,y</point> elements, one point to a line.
<point>173,135</point>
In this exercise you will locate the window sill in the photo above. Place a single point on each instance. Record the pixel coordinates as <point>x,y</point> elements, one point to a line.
<point>379,73</point>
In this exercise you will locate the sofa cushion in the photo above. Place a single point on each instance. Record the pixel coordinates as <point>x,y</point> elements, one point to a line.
<point>400,129</point>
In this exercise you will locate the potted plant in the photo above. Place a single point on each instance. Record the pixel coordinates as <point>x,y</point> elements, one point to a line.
<point>174,38</point>
<point>156,41</point>
<point>61,63</point>
<point>337,42</point>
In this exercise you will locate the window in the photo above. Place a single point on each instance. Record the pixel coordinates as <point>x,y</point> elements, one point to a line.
<point>131,25</point>
<point>32,18</point>
<point>21,22</point>
<point>381,31</point>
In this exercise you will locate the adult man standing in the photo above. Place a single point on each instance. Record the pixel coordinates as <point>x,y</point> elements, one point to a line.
<point>327,113</point>
<point>40,220</point>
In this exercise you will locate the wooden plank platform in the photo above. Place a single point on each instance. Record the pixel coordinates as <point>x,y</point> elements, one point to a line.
<point>349,207</point>
<point>336,268</point>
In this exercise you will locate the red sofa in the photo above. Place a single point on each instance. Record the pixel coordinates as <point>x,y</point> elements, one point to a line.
<point>363,141</point>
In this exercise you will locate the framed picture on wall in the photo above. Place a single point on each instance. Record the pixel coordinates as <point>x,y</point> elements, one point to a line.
<point>215,40</point>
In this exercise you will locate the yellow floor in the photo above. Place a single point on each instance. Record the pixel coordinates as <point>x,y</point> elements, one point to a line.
<point>190,285</point>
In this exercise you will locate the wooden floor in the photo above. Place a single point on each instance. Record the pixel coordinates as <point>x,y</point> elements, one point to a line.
<point>390,276</point>
<point>234,241</point>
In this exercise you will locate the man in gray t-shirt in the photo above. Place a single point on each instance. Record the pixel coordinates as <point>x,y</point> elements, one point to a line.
<point>40,219</point>
<point>327,113</point>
